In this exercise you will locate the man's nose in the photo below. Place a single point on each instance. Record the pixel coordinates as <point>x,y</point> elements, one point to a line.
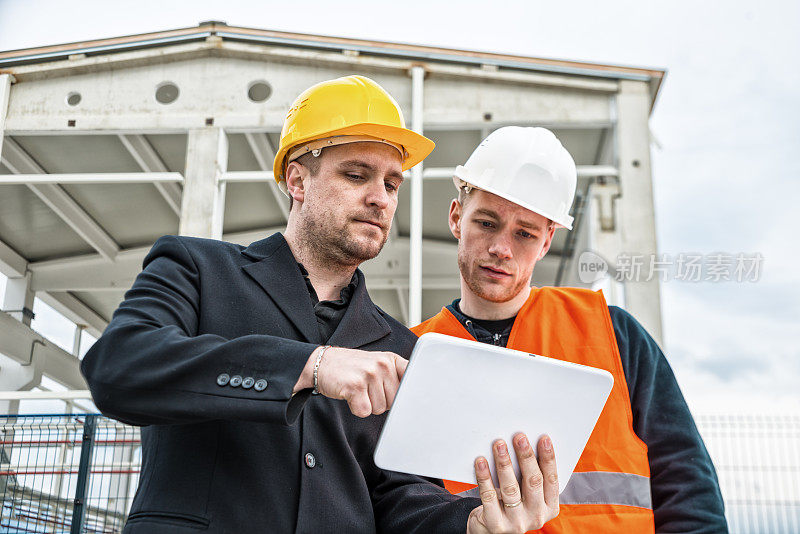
<point>501,247</point>
<point>377,195</point>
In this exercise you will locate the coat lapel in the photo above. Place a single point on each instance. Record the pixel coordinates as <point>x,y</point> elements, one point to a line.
<point>276,270</point>
<point>362,322</point>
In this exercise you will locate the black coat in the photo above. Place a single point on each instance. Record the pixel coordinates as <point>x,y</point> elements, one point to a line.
<point>234,459</point>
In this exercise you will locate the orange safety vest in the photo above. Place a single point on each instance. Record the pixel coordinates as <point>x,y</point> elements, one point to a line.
<point>610,488</point>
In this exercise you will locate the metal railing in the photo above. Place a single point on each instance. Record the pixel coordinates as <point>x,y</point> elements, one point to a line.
<point>66,473</point>
<point>78,473</point>
<point>758,464</point>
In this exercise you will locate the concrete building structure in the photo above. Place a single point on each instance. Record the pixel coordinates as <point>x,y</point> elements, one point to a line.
<point>109,144</point>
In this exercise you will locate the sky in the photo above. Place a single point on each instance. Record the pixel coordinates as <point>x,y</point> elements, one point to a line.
<point>725,167</point>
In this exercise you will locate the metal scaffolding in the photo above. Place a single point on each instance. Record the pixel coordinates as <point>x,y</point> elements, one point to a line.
<point>108,144</point>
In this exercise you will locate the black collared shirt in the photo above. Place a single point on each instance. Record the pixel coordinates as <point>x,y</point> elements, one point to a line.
<point>329,313</point>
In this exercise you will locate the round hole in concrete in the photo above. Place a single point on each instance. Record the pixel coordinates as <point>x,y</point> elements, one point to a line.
<point>73,98</point>
<point>259,91</point>
<point>167,93</point>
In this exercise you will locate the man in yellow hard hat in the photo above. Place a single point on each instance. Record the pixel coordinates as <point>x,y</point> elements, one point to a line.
<point>645,467</point>
<point>218,351</point>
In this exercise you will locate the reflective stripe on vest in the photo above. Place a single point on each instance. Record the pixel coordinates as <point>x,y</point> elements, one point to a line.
<point>600,487</point>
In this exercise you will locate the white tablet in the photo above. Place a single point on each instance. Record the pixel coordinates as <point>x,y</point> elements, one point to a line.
<point>458,396</point>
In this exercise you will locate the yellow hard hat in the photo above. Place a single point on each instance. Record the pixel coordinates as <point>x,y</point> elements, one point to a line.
<point>349,109</point>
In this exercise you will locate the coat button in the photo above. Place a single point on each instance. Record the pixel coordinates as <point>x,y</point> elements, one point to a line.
<point>260,385</point>
<point>310,461</point>
<point>223,379</point>
<point>236,381</point>
<point>248,382</point>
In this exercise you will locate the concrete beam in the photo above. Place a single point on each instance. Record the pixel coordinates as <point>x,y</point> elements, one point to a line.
<point>75,310</point>
<point>106,74</point>
<point>19,162</point>
<point>18,298</point>
<point>92,272</point>
<point>203,201</point>
<point>88,273</point>
<point>636,210</point>
<point>265,155</point>
<point>11,264</point>
<point>147,158</point>
<point>27,347</point>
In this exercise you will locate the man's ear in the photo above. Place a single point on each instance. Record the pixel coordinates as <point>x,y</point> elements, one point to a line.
<point>296,180</point>
<point>551,231</point>
<point>454,218</point>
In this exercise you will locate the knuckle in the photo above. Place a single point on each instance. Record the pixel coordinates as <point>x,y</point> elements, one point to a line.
<point>488,495</point>
<point>526,454</point>
<point>552,478</point>
<point>510,490</point>
<point>504,461</point>
<point>535,480</point>
<point>476,517</point>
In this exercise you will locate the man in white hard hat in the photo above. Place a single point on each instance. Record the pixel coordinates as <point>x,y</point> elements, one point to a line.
<point>645,466</point>
<point>218,348</point>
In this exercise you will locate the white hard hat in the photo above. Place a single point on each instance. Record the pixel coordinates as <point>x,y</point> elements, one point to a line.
<point>527,166</point>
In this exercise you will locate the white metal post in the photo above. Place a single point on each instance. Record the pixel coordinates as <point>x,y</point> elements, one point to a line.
<point>203,202</point>
<point>5,93</point>
<point>76,340</point>
<point>415,249</point>
<point>636,211</point>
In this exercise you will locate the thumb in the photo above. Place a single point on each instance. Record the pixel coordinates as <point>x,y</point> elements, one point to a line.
<point>400,365</point>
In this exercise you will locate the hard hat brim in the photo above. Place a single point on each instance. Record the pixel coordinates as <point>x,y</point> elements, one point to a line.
<point>417,146</point>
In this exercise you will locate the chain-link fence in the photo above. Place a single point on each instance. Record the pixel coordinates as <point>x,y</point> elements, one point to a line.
<point>66,473</point>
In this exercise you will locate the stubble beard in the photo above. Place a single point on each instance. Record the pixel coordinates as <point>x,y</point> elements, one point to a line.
<point>486,290</point>
<point>335,243</point>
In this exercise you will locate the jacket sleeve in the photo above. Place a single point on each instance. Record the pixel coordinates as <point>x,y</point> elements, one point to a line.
<point>683,481</point>
<point>416,505</point>
<point>151,366</point>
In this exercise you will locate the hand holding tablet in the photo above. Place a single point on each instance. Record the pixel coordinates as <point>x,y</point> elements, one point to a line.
<point>518,506</point>
<point>458,397</point>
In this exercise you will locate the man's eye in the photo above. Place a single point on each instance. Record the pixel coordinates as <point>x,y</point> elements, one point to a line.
<point>354,176</point>
<point>525,234</point>
<point>390,186</point>
<point>486,224</point>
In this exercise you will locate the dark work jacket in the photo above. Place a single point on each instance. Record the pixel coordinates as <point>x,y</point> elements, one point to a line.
<point>220,458</point>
